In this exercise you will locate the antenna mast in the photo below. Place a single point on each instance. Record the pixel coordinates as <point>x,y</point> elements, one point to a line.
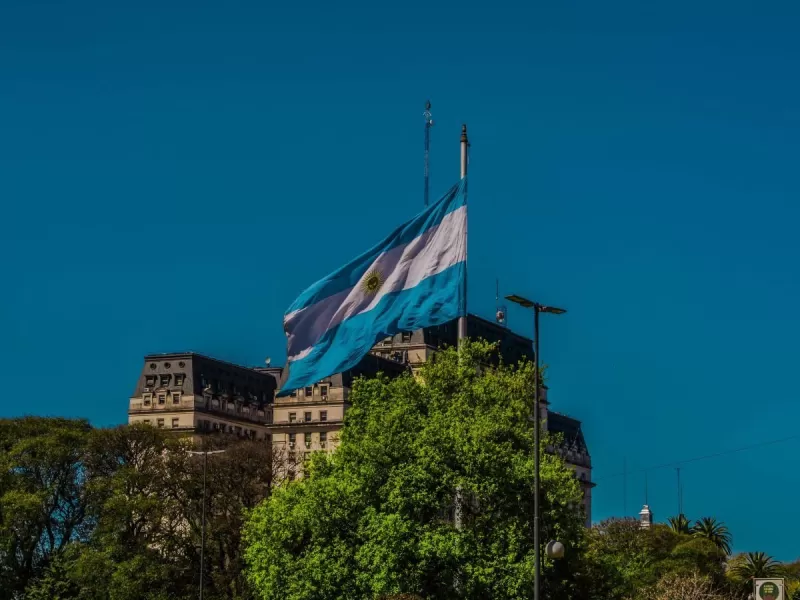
<point>428,124</point>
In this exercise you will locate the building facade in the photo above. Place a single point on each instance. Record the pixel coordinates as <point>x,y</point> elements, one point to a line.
<point>192,393</point>
<point>310,419</point>
<point>196,394</point>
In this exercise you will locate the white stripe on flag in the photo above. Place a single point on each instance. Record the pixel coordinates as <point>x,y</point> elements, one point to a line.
<point>403,268</point>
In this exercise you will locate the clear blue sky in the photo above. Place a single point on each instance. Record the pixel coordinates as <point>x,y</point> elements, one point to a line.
<point>173,174</point>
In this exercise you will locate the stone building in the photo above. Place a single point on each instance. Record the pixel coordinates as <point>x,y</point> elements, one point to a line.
<point>196,394</point>
<point>192,393</point>
<point>309,419</point>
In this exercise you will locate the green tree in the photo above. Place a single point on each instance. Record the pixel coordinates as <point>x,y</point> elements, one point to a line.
<point>680,524</point>
<point>624,560</point>
<point>141,494</point>
<point>754,565</point>
<point>42,499</point>
<point>715,531</point>
<point>376,517</point>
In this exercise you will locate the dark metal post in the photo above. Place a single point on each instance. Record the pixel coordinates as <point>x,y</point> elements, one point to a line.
<point>203,526</point>
<point>536,441</point>
<point>428,123</point>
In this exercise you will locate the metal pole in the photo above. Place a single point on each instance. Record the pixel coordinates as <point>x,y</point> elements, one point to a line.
<point>428,123</point>
<point>203,525</point>
<point>536,434</point>
<point>462,321</point>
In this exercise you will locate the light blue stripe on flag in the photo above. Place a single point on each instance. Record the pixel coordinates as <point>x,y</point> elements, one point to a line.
<point>414,278</point>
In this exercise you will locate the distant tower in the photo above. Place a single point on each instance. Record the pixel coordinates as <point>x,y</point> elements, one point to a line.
<point>645,517</point>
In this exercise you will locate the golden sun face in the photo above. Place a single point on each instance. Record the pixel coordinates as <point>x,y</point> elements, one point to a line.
<point>372,282</point>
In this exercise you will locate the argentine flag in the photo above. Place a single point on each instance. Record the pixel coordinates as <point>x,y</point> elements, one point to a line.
<point>414,278</point>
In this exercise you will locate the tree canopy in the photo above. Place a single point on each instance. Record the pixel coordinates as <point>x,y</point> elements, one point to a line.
<point>376,517</point>
<point>115,514</point>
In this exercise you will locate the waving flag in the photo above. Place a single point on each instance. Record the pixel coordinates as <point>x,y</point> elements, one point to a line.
<point>414,278</point>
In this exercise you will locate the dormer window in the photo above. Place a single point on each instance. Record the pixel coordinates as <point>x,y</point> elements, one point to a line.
<point>150,381</point>
<point>179,379</point>
<point>164,380</point>
<point>405,336</point>
<point>309,392</point>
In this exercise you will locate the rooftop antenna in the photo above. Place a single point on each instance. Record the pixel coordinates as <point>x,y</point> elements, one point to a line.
<point>428,124</point>
<point>500,310</point>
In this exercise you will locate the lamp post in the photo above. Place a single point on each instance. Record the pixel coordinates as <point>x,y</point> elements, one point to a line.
<point>537,308</point>
<point>205,454</point>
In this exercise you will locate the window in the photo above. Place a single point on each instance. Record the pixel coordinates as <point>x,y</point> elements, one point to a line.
<point>176,398</point>
<point>307,416</point>
<point>292,417</point>
<point>150,381</point>
<point>160,422</point>
<point>293,394</point>
<point>216,426</point>
<point>174,423</point>
<point>308,440</point>
<point>292,438</point>
<point>165,380</point>
<point>179,379</point>
<point>230,406</point>
<point>162,399</point>
<point>323,389</point>
<point>146,399</point>
<point>323,415</point>
<point>238,431</point>
<point>214,403</point>
<point>406,336</point>
<point>146,421</point>
<point>309,392</point>
<point>323,439</point>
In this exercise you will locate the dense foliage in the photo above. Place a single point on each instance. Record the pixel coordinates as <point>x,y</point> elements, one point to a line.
<point>376,517</point>
<point>115,514</point>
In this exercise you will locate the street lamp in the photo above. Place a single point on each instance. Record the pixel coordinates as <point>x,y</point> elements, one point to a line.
<point>205,454</point>
<point>537,308</point>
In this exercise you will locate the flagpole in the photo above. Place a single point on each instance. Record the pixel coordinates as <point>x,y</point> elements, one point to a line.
<point>462,335</point>
<point>462,321</point>
<point>428,123</point>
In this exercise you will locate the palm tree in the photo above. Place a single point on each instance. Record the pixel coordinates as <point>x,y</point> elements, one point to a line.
<point>757,564</point>
<point>679,524</point>
<point>714,531</point>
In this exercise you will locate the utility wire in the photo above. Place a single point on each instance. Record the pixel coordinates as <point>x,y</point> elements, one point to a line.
<point>699,458</point>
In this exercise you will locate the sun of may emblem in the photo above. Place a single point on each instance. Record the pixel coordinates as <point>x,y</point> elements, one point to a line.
<point>372,282</point>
